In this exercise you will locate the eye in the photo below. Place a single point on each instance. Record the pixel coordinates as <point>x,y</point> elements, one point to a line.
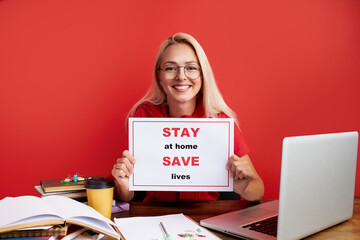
<point>192,67</point>
<point>170,68</point>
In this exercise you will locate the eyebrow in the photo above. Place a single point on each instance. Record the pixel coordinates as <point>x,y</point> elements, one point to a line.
<point>173,62</point>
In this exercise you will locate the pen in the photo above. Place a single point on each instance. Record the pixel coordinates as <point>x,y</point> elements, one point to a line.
<point>167,236</point>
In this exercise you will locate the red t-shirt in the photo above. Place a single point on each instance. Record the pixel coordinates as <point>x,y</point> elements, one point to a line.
<point>148,109</point>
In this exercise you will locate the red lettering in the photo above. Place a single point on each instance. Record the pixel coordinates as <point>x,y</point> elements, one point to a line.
<point>176,162</point>
<point>175,131</point>
<point>166,132</point>
<point>166,161</point>
<point>195,161</point>
<point>181,161</point>
<point>178,132</point>
<point>185,132</point>
<point>195,131</point>
<point>186,162</point>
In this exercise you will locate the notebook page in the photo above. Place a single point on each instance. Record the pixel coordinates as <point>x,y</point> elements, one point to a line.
<point>19,208</point>
<point>178,226</point>
<point>70,208</point>
<point>96,224</point>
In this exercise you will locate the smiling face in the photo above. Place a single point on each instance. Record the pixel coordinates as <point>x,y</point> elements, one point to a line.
<point>179,89</point>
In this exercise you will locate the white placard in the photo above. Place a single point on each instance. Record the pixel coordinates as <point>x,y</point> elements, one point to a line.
<point>181,154</point>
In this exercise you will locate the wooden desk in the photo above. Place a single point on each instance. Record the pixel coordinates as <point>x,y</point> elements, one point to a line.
<point>197,211</point>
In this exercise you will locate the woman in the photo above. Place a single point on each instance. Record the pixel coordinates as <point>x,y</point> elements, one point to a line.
<point>184,86</point>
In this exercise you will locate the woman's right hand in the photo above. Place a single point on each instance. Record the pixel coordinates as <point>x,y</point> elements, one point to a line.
<point>123,168</point>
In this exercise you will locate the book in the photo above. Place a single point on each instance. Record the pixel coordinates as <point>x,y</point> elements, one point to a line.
<point>30,211</point>
<point>34,238</point>
<point>178,227</point>
<point>55,185</point>
<point>57,230</point>
<point>81,193</point>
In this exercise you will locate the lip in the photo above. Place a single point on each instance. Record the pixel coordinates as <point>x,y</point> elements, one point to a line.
<point>182,87</point>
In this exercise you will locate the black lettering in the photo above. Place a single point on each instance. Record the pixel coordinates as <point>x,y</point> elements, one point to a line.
<point>175,176</point>
<point>185,146</point>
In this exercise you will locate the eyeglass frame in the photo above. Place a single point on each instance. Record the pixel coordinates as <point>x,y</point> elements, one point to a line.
<point>178,71</point>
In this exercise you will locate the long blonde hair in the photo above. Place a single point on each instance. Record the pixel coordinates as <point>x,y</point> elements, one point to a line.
<point>213,101</point>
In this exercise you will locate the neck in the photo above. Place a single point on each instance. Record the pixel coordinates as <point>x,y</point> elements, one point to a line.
<point>178,110</point>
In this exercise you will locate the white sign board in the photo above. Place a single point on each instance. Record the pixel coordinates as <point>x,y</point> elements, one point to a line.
<point>181,154</point>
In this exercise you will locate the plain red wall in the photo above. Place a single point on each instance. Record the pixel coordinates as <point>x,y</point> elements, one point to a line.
<point>71,70</point>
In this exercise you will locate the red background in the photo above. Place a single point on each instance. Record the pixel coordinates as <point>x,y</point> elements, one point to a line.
<point>71,70</point>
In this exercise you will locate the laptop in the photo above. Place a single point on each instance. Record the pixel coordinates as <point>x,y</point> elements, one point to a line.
<point>317,188</point>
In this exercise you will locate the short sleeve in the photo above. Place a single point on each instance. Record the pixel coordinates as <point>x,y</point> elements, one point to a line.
<point>240,146</point>
<point>147,109</point>
<point>140,112</point>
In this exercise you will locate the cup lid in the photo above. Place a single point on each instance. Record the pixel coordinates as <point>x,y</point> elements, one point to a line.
<point>99,183</point>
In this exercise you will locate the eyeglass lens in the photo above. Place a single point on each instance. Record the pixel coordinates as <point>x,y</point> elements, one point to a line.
<point>192,71</point>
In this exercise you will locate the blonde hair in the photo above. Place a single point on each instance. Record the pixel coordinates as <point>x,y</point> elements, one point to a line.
<point>213,101</point>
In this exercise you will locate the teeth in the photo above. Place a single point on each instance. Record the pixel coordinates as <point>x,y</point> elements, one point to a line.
<point>181,87</point>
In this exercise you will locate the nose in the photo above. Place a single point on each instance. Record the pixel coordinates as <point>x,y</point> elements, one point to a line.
<point>181,73</point>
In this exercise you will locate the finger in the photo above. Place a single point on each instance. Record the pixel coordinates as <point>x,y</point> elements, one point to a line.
<point>240,175</point>
<point>233,169</point>
<point>232,175</point>
<point>120,160</point>
<point>125,170</point>
<point>237,171</point>
<point>122,168</point>
<point>129,156</point>
<point>129,167</point>
<point>245,174</point>
<point>121,174</point>
<point>230,162</point>
<point>126,162</point>
<point>117,173</point>
<point>117,167</point>
<point>240,170</point>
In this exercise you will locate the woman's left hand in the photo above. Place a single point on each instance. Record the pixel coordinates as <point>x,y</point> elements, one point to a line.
<point>240,168</point>
<point>247,182</point>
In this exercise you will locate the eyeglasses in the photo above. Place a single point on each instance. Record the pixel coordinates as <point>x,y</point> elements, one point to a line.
<point>192,71</point>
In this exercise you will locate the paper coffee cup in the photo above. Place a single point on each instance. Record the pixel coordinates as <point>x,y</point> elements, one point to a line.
<point>100,192</point>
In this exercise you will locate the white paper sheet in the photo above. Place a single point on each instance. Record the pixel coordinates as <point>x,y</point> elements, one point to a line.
<point>178,226</point>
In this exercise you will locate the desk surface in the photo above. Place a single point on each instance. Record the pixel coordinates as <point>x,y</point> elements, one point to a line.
<point>197,211</point>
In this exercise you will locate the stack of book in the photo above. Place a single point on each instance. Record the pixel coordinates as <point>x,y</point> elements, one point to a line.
<point>75,190</point>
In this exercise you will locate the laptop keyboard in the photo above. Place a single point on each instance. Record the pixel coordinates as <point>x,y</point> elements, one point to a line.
<point>267,226</point>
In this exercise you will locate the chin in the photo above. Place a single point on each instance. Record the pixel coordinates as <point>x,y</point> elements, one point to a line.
<point>184,100</point>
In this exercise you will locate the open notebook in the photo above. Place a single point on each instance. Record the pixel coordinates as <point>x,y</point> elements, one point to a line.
<point>31,211</point>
